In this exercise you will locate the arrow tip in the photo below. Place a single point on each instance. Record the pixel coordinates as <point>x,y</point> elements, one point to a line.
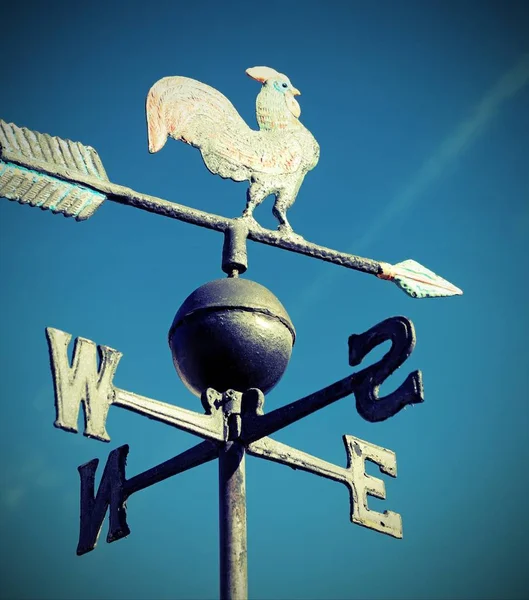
<point>418,281</point>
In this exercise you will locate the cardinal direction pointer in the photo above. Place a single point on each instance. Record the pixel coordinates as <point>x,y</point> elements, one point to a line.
<point>110,493</point>
<point>401,333</point>
<point>363,384</point>
<point>83,383</point>
<point>230,416</point>
<point>353,476</point>
<point>114,490</point>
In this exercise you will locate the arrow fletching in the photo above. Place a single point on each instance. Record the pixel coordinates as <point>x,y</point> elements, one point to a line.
<point>418,281</point>
<point>32,165</point>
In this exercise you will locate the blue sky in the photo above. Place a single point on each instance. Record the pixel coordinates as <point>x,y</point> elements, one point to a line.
<point>420,109</point>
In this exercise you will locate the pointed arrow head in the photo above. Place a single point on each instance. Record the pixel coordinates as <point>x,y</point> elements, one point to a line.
<point>418,281</point>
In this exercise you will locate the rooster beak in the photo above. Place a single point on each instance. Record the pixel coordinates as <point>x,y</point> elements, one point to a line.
<point>295,92</point>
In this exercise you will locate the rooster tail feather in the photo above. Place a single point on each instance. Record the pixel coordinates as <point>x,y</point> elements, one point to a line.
<point>156,127</point>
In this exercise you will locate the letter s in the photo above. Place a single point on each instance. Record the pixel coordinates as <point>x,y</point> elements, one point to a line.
<point>368,404</point>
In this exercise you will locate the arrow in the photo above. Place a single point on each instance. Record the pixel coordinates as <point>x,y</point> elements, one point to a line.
<point>418,281</point>
<point>67,177</point>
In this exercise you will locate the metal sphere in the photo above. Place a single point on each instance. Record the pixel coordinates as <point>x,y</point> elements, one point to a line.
<point>231,334</point>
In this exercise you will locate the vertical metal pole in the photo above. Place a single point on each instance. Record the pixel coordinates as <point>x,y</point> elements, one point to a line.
<point>232,519</point>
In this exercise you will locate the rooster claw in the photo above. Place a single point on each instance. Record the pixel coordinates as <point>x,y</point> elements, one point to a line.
<point>287,232</point>
<point>250,221</point>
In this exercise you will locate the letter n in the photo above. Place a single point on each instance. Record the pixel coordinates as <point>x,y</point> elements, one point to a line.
<point>82,382</point>
<point>111,492</point>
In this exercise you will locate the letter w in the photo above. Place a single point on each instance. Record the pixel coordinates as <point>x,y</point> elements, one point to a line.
<point>82,382</point>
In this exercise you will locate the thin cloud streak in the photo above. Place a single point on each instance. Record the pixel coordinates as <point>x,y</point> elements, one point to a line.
<point>452,147</point>
<point>447,153</point>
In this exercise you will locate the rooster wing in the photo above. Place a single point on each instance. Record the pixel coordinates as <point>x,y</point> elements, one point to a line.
<point>199,115</point>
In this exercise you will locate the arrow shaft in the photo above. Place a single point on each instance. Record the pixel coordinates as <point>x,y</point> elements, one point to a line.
<point>256,234</point>
<point>124,195</point>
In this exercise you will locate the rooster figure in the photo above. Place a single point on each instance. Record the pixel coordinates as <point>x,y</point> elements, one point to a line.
<point>274,159</point>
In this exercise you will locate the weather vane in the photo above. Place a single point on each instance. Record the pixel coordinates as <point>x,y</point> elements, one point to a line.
<point>231,340</point>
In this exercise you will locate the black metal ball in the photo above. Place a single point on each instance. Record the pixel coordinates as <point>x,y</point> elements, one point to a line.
<point>231,334</point>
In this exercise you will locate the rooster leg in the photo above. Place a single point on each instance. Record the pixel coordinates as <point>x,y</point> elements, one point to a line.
<point>285,198</point>
<point>254,196</point>
<point>280,214</point>
<point>283,202</point>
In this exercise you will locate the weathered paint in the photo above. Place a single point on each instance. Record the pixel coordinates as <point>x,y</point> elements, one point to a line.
<point>36,189</point>
<point>197,114</point>
<point>82,383</point>
<point>353,476</point>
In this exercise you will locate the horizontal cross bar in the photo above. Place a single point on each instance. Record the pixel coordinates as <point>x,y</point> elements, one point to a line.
<point>210,427</point>
<point>353,476</point>
<point>258,426</point>
<point>198,455</point>
<point>270,449</point>
<point>115,488</point>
